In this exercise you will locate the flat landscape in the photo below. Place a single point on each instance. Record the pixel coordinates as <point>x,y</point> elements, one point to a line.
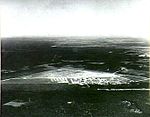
<point>75,77</point>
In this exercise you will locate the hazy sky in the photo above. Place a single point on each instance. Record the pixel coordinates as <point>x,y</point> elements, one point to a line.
<point>75,18</point>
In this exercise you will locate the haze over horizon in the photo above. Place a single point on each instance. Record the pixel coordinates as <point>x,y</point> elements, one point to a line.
<point>63,18</point>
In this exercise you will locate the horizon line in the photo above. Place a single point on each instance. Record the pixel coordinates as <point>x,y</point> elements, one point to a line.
<point>109,37</point>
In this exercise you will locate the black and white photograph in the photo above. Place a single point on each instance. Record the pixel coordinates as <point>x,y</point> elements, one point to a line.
<point>75,58</point>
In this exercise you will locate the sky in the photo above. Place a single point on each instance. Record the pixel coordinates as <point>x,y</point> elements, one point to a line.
<point>103,18</point>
